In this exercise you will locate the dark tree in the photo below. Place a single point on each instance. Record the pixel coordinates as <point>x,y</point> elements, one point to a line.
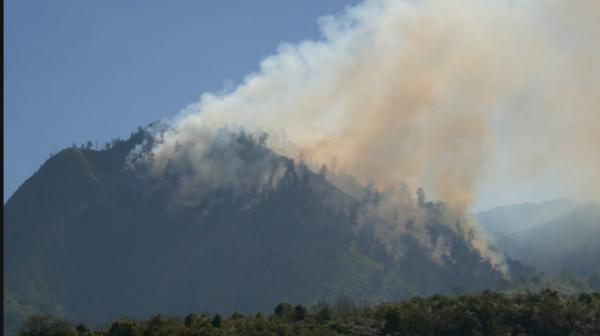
<point>82,330</point>
<point>216,321</point>
<point>299,313</point>
<point>189,320</point>
<point>283,310</point>
<point>123,328</point>
<point>391,321</point>
<point>323,171</point>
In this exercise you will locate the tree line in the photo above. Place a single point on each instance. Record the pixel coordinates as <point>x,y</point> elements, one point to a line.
<point>488,313</point>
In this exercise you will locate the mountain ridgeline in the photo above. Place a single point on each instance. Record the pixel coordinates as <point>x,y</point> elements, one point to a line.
<point>554,236</point>
<point>96,235</point>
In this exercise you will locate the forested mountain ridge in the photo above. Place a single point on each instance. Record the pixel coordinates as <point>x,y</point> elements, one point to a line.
<point>92,236</point>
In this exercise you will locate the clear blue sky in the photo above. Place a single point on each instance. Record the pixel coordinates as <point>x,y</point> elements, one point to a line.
<point>79,70</point>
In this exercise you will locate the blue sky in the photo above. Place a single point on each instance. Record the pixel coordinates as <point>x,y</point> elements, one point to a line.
<point>95,70</point>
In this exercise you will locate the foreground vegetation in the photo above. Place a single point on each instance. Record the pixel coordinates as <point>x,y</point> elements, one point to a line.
<point>542,313</point>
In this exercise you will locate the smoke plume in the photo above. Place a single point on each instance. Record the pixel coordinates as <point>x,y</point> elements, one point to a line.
<point>422,93</point>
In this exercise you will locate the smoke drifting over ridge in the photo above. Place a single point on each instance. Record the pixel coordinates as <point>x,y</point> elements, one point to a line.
<point>422,93</point>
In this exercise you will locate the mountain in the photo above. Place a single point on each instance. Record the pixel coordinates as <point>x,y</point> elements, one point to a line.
<point>556,236</point>
<point>568,243</point>
<point>95,235</point>
<point>520,217</point>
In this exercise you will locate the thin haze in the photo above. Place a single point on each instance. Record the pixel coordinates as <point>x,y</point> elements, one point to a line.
<point>439,94</point>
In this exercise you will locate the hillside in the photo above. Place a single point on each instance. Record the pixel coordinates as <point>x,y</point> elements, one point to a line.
<point>93,237</point>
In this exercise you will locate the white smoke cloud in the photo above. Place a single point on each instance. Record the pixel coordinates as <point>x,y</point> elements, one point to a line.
<point>423,93</point>
<point>407,91</point>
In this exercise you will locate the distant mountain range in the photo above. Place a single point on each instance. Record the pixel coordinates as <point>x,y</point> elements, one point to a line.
<point>555,236</point>
<point>92,236</point>
<point>517,218</point>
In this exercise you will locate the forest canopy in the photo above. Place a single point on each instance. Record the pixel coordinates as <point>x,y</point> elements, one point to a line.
<point>487,313</point>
